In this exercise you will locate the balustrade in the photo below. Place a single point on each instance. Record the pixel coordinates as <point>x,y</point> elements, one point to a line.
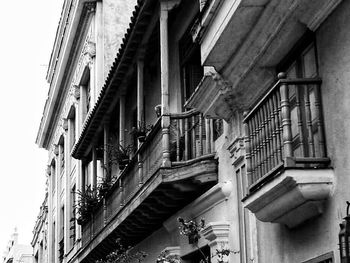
<point>285,129</point>
<point>191,136</point>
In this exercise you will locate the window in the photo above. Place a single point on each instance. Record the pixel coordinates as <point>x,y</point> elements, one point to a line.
<point>198,255</point>
<point>72,126</point>
<point>61,154</point>
<point>302,63</point>
<point>61,244</point>
<point>53,244</point>
<point>191,67</point>
<point>72,216</point>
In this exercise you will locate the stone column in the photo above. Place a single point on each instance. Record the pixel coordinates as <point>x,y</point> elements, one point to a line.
<point>49,212</point>
<point>122,120</point>
<point>94,167</point>
<point>217,234</point>
<point>106,173</point>
<point>56,229</point>
<point>140,111</point>
<point>165,7</point>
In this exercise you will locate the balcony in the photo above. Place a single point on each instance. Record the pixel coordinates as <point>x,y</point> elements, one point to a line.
<point>146,193</point>
<point>287,166</point>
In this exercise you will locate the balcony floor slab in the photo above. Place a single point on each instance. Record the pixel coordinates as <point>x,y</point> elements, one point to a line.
<point>293,197</point>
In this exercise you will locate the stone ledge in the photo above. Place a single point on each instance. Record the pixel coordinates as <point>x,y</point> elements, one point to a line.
<point>293,197</point>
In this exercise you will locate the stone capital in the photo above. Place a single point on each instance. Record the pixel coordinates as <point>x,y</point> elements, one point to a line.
<point>217,233</point>
<point>167,5</point>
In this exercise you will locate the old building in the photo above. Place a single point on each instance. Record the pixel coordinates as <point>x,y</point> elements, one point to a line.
<point>231,111</point>
<point>40,234</point>
<point>16,252</point>
<point>87,39</point>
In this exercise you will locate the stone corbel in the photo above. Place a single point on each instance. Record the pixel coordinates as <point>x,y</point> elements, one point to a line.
<point>90,7</point>
<point>64,124</point>
<point>75,91</point>
<point>217,233</point>
<point>55,149</point>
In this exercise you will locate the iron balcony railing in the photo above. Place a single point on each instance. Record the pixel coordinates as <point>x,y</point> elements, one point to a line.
<point>285,129</point>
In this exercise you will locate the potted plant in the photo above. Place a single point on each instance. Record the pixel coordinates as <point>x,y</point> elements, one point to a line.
<point>158,110</point>
<point>123,155</point>
<point>141,131</point>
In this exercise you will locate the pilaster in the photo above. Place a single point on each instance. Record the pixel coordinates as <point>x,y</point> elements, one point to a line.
<point>217,233</point>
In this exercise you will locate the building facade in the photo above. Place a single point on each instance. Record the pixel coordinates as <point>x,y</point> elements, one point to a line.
<point>40,234</point>
<point>16,252</point>
<point>231,111</point>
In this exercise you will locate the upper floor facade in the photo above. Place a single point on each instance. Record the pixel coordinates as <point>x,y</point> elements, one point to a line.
<point>209,107</point>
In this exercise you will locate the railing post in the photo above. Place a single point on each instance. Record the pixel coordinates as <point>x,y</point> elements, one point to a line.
<point>247,149</point>
<point>286,121</point>
<point>319,121</point>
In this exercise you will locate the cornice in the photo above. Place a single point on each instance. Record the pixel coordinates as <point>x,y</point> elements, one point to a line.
<point>62,74</point>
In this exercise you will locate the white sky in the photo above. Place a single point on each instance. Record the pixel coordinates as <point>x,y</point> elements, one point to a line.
<point>27,32</point>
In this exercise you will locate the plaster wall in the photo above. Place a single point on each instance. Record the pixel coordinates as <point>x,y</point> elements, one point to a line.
<point>116,18</point>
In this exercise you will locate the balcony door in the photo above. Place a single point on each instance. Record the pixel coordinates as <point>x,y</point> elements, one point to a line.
<point>303,64</point>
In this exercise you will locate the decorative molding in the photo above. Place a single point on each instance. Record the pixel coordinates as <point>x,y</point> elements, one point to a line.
<point>217,233</point>
<point>209,96</point>
<point>237,150</point>
<point>74,92</point>
<point>316,20</point>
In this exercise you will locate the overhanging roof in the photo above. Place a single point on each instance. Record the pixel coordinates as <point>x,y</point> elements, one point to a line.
<point>130,43</point>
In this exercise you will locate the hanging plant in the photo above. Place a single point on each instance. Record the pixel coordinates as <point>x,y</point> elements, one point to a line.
<point>191,229</point>
<point>87,201</point>
<point>122,254</point>
<point>165,257</point>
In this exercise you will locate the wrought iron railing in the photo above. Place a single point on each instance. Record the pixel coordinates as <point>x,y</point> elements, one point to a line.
<point>285,129</point>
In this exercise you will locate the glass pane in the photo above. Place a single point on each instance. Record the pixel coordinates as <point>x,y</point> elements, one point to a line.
<point>309,63</point>
<point>294,119</point>
<point>292,74</point>
<point>312,102</point>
